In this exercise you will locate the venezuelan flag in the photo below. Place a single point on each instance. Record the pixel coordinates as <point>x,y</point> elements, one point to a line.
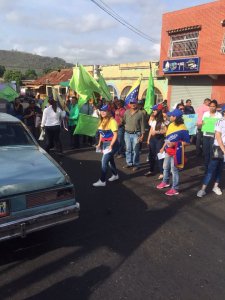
<point>177,135</point>
<point>133,92</point>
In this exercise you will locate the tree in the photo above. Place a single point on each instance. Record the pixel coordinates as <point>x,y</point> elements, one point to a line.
<point>2,70</point>
<point>11,75</point>
<point>47,70</point>
<point>30,74</point>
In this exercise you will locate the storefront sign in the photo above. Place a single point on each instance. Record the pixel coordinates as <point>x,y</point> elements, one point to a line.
<point>185,65</point>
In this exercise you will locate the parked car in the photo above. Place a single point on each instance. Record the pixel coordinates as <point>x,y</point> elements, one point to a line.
<point>35,192</point>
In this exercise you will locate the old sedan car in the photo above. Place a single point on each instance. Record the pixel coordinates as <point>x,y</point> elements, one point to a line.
<point>35,192</point>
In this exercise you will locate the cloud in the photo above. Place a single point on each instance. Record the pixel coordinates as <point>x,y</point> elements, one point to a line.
<point>14,16</point>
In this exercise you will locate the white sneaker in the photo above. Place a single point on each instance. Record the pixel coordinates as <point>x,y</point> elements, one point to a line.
<point>99,183</point>
<point>217,190</point>
<point>114,177</point>
<point>201,193</point>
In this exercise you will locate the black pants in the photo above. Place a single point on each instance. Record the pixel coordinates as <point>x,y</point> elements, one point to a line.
<point>199,141</point>
<point>53,138</point>
<point>154,147</point>
<point>74,138</point>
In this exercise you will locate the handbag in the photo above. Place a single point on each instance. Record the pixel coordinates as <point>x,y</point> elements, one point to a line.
<point>217,153</point>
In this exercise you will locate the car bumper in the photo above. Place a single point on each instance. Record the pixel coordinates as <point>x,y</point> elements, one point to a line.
<point>21,227</point>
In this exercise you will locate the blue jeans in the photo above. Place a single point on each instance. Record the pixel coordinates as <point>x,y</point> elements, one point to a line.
<point>132,148</point>
<point>215,168</point>
<point>121,141</point>
<point>108,160</point>
<point>169,166</point>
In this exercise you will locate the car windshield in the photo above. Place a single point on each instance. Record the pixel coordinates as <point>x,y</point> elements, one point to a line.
<point>12,134</point>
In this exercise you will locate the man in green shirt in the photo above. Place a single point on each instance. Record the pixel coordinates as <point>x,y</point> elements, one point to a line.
<point>134,123</point>
<point>73,119</point>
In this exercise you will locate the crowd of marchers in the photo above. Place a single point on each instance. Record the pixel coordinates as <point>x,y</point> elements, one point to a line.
<point>122,130</point>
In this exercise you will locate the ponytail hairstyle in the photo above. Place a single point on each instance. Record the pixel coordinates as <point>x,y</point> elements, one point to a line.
<point>53,103</point>
<point>159,120</point>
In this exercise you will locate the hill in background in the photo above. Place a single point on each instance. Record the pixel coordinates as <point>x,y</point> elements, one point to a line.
<point>22,61</point>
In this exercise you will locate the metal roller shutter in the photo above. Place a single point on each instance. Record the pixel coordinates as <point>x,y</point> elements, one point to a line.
<point>196,88</point>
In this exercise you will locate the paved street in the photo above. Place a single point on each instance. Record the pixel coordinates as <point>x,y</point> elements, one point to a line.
<point>130,242</point>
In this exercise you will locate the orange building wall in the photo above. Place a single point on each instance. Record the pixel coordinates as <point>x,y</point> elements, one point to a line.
<point>209,16</point>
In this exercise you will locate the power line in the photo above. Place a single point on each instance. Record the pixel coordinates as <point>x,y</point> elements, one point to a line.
<point>122,21</point>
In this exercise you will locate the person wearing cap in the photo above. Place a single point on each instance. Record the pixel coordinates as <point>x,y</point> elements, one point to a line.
<point>108,130</point>
<point>30,114</point>
<point>134,124</point>
<point>216,165</point>
<point>155,139</point>
<point>51,121</point>
<point>177,137</point>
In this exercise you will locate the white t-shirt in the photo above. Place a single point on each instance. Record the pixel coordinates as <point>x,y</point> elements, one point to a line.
<point>220,127</point>
<point>207,115</point>
<point>152,123</point>
<point>51,118</point>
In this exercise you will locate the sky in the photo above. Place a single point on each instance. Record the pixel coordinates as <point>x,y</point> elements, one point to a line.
<point>79,31</point>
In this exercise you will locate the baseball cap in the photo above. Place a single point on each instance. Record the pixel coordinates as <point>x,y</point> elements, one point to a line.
<point>157,107</point>
<point>175,113</point>
<point>104,108</point>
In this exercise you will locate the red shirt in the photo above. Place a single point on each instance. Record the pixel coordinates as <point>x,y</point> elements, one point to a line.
<point>119,113</point>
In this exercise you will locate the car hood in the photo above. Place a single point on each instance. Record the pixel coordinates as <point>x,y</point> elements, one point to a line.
<point>25,169</point>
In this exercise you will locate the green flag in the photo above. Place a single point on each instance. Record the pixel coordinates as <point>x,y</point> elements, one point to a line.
<point>81,102</point>
<point>150,96</point>
<point>87,125</point>
<point>8,93</point>
<point>104,87</point>
<point>83,83</point>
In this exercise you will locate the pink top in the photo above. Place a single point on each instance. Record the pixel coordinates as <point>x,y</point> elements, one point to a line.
<point>119,113</point>
<point>200,111</point>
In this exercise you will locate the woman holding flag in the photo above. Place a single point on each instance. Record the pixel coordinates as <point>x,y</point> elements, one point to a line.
<point>177,137</point>
<point>108,130</point>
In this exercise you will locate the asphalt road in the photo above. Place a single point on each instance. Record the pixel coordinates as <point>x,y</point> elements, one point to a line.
<point>130,242</point>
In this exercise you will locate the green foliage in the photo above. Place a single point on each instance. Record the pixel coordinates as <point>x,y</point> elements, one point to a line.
<point>2,71</point>
<point>11,75</point>
<point>30,74</point>
<point>22,61</point>
<point>47,70</point>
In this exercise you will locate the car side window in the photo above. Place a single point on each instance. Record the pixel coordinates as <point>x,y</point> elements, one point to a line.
<point>14,134</point>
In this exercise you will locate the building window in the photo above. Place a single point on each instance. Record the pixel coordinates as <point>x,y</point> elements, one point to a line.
<point>112,91</point>
<point>184,44</point>
<point>158,96</point>
<point>125,92</point>
<point>223,46</point>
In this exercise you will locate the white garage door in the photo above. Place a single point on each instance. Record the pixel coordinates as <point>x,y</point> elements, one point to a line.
<point>196,88</point>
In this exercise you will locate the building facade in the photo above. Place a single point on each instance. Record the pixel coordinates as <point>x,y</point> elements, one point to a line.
<point>119,79</point>
<point>192,53</point>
